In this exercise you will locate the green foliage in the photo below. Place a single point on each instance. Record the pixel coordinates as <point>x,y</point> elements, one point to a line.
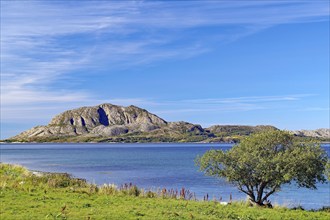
<point>327,169</point>
<point>25,195</point>
<point>261,163</point>
<point>61,180</point>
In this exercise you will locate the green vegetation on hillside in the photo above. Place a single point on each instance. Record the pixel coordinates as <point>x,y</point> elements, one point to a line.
<point>148,138</point>
<point>25,195</point>
<point>178,132</point>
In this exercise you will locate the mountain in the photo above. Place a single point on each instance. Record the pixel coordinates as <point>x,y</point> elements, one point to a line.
<point>106,120</point>
<point>112,123</point>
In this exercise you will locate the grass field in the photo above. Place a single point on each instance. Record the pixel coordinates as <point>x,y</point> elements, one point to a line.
<point>25,195</point>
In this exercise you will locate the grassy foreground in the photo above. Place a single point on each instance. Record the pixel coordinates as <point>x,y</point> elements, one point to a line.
<point>25,195</point>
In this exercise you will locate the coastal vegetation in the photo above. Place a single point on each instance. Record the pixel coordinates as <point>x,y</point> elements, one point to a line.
<point>34,195</point>
<point>261,163</point>
<point>148,138</point>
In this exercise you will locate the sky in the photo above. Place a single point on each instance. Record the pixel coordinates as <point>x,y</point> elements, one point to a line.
<point>205,62</point>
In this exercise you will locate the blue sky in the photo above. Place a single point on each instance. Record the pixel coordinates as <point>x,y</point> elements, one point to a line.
<point>216,62</point>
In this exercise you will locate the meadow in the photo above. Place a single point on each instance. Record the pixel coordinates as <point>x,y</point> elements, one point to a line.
<point>33,195</point>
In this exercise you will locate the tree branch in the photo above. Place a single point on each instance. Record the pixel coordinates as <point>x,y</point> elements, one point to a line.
<point>246,192</point>
<point>269,193</point>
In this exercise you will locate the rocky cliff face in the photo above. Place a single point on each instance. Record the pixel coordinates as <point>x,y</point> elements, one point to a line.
<point>319,133</point>
<point>104,120</point>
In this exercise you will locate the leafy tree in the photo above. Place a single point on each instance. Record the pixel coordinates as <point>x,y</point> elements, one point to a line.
<point>264,161</point>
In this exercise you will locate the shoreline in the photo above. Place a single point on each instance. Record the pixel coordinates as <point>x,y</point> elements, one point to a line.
<point>119,176</point>
<point>39,173</point>
<point>26,196</point>
<point>9,143</point>
<point>158,190</point>
<point>116,143</point>
<point>172,194</point>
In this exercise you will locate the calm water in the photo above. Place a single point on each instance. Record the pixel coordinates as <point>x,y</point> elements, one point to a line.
<point>149,166</point>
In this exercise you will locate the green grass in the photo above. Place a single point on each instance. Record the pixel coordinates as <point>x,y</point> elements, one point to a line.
<point>59,196</point>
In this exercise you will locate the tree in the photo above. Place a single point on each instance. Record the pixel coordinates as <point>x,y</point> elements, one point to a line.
<point>264,161</point>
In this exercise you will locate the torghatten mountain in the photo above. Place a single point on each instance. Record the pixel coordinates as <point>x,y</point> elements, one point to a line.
<point>112,123</point>
<point>108,121</point>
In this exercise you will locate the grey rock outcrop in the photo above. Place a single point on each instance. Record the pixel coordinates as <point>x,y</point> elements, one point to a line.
<point>110,130</point>
<point>101,120</point>
<point>107,115</point>
<point>319,133</point>
<point>185,127</point>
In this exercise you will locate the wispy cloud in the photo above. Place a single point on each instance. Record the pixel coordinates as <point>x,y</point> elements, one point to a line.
<point>315,109</point>
<point>45,43</point>
<point>235,104</point>
<point>250,99</point>
<point>165,108</point>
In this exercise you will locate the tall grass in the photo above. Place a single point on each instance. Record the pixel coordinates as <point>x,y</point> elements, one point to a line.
<point>18,177</point>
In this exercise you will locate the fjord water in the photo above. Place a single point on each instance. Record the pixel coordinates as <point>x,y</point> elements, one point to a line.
<point>149,166</point>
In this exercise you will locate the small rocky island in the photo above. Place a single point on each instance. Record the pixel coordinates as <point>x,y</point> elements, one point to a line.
<point>113,123</point>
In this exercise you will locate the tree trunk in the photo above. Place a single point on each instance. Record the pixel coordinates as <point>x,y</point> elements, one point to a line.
<point>259,202</point>
<point>255,198</point>
<point>260,192</point>
<point>253,201</point>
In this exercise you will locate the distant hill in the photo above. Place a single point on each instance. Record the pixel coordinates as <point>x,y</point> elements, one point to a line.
<point>318,133</point>
<point>229,130</point>
<point>112,123</point>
